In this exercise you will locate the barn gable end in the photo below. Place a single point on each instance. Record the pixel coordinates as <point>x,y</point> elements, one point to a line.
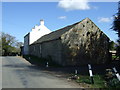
<point>85,43</point>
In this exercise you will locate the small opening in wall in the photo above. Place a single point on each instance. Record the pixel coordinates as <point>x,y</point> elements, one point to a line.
<point>88,33</point>
<point>83,34</point>
<point>83,25</point>
<point>92,26</point>
<point>87,21</point>
<point>76,44</point>
<point>89,45</point>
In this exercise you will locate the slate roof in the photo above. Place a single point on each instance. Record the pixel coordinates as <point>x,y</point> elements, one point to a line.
<point>55,34</point>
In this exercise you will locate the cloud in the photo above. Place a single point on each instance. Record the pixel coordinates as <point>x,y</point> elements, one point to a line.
<point>104,19</point>
<point>62,17</point>
<point>70,5</point>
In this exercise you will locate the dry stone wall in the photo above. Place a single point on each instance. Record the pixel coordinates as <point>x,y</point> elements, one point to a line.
<point>85,43</point>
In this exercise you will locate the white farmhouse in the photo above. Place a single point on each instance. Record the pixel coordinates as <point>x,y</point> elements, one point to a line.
<point>35,34</point>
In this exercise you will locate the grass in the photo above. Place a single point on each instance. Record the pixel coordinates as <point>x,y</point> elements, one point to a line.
<point>114,83</point>
<point>99,82</point>
<point>114,56</point>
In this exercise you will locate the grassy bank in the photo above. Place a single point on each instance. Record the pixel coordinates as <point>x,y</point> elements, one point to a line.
<point>99,82</point>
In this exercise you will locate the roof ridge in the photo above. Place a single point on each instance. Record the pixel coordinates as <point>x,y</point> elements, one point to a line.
<point>57,33</point>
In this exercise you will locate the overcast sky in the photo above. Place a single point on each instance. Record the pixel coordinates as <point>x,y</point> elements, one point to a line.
<point>19,18</point>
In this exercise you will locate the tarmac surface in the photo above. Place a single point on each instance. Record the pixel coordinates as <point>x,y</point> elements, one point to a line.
<point>18,73</point>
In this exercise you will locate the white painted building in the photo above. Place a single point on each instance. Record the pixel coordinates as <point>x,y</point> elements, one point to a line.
<point>35,34</point>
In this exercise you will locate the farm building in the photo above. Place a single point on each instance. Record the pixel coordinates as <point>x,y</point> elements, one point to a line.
<point>36,33</point>
<point>77,44</point>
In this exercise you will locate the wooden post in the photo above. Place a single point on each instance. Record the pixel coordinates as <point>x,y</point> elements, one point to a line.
<point>116,73</point>
<point>91,74</point>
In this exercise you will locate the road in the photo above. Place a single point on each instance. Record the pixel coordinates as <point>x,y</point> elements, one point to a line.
<point>18,73</point>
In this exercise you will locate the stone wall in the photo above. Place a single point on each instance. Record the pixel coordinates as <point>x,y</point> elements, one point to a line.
<point>35,50</point>
<point>52,49</point>
<point>48,49</point>
<point>85,43</point>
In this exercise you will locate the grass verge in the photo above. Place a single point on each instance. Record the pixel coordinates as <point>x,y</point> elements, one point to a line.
<point>99,82</point>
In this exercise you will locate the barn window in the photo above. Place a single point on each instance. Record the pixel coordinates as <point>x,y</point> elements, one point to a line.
<point>92,26</point>
<point>87,21</point>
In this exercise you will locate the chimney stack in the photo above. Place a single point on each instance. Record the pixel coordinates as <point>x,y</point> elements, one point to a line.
<point>42,22</point>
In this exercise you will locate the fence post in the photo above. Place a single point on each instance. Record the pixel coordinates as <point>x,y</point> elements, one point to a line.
<point>116,73</point>
<point>91,74</point>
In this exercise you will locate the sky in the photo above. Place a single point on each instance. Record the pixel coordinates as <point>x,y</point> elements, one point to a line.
<point>18,18</point>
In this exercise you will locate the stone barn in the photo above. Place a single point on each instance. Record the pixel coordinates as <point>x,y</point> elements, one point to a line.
<point>77,44</point>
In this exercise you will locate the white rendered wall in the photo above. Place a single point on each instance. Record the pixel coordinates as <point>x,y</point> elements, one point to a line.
<point>34,35</point>
<point>38,32</point>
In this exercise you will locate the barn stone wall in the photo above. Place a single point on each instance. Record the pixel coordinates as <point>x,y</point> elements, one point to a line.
<point>35,50</point>
<point>50,49</point>
<point>85,43</point>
